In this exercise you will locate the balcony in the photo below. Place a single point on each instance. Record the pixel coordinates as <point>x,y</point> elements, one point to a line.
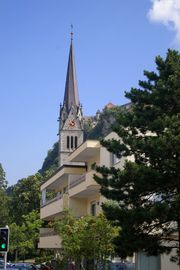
<point>83,186</point>
<point>61,176</point>
<point>86,151</point>
<point>49,239</point>
<point>54,207</point>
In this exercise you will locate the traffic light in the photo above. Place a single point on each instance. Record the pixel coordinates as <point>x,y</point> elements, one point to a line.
<point>4,239</point>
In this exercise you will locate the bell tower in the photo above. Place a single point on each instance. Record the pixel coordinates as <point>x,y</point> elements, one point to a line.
<point>71,133</point>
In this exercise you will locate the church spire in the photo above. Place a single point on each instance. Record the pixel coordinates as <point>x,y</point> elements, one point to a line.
<point>71,97</point>
<point>71,133</point>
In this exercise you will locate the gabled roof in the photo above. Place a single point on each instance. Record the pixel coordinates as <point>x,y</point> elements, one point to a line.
<point>71,90</point>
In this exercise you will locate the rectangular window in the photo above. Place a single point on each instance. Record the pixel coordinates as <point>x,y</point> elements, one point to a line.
<point>75,141</point>
<point>68,142</point>
<point>72,144</point>
<point>93,208</point>
<point>114,159</point>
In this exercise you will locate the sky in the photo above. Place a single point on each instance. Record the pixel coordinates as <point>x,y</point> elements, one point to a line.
<point>114,40</point>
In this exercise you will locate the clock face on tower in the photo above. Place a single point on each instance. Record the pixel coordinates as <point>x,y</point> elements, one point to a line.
<point>72,123</point>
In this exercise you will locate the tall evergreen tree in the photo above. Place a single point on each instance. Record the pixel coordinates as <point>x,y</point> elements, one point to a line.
<point>145,194</point>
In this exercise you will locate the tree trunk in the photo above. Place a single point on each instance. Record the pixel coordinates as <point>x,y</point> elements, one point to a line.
<point>16,255</point>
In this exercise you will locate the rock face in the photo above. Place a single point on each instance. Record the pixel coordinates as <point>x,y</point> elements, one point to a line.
<point>101,124</point>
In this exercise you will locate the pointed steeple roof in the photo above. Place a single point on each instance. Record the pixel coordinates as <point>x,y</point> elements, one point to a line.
<point>71,90</point>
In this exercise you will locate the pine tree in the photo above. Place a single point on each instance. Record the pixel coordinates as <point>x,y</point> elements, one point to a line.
<point>145,195</point>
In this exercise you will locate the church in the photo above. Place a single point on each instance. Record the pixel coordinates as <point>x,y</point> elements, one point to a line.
<point>72,184</point>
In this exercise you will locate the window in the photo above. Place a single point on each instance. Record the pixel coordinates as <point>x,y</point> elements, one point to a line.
<point>114,159</point>
<point>65,189</point>
<point>68,142</point>
<point>44,197</point>
<point>72,144</point>
<point>75,141</point>
<point>93,208</point>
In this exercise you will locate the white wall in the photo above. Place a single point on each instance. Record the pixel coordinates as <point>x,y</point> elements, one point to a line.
<point>144,262</point>
<point>166,264</point>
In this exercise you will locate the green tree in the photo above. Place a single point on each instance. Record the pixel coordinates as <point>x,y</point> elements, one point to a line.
<point>3,182</point>
<point>24,238</point>
<point>87,238</point>
<point>25,197</point>
<point>4,200</point>
<point>4,209</point>
<point>146,193</point>
<point>17,237</point>
<point>30,227</point>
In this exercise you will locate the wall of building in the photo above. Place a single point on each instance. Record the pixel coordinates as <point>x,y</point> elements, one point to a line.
<point>109,159</point>
<point>64,151</point>
<point>62,188</point>
<point>78,206</point>
<point>94,199</point>
<point>91,161</point>
<point>161,262</point>
<point>166,264</point>
<point>144,262</point>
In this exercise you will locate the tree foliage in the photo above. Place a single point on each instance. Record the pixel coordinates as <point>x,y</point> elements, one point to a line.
<point>147,191</point>
<point>4,200</point>
<point>19,208</point>
<point>86,238</point>
<point>24,237</point>
<point>4,209</point>
<point>25,197</point>
<point>3,181</point>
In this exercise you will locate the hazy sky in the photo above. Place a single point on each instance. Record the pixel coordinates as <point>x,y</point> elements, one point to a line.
<point>114,40</point>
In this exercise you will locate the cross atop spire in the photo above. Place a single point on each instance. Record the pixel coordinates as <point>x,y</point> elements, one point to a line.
<point>72,33</point>
<point>71,97</point>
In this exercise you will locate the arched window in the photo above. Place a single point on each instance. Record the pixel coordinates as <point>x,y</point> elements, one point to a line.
<point>68,142</point>
<point>75,141</point>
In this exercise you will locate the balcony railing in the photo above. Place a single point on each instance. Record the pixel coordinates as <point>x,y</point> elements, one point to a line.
<point>54,206</point>
<point>47,232</point>
<point>49,239</point>
<point>79,180</point>
<point>58,197</point>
